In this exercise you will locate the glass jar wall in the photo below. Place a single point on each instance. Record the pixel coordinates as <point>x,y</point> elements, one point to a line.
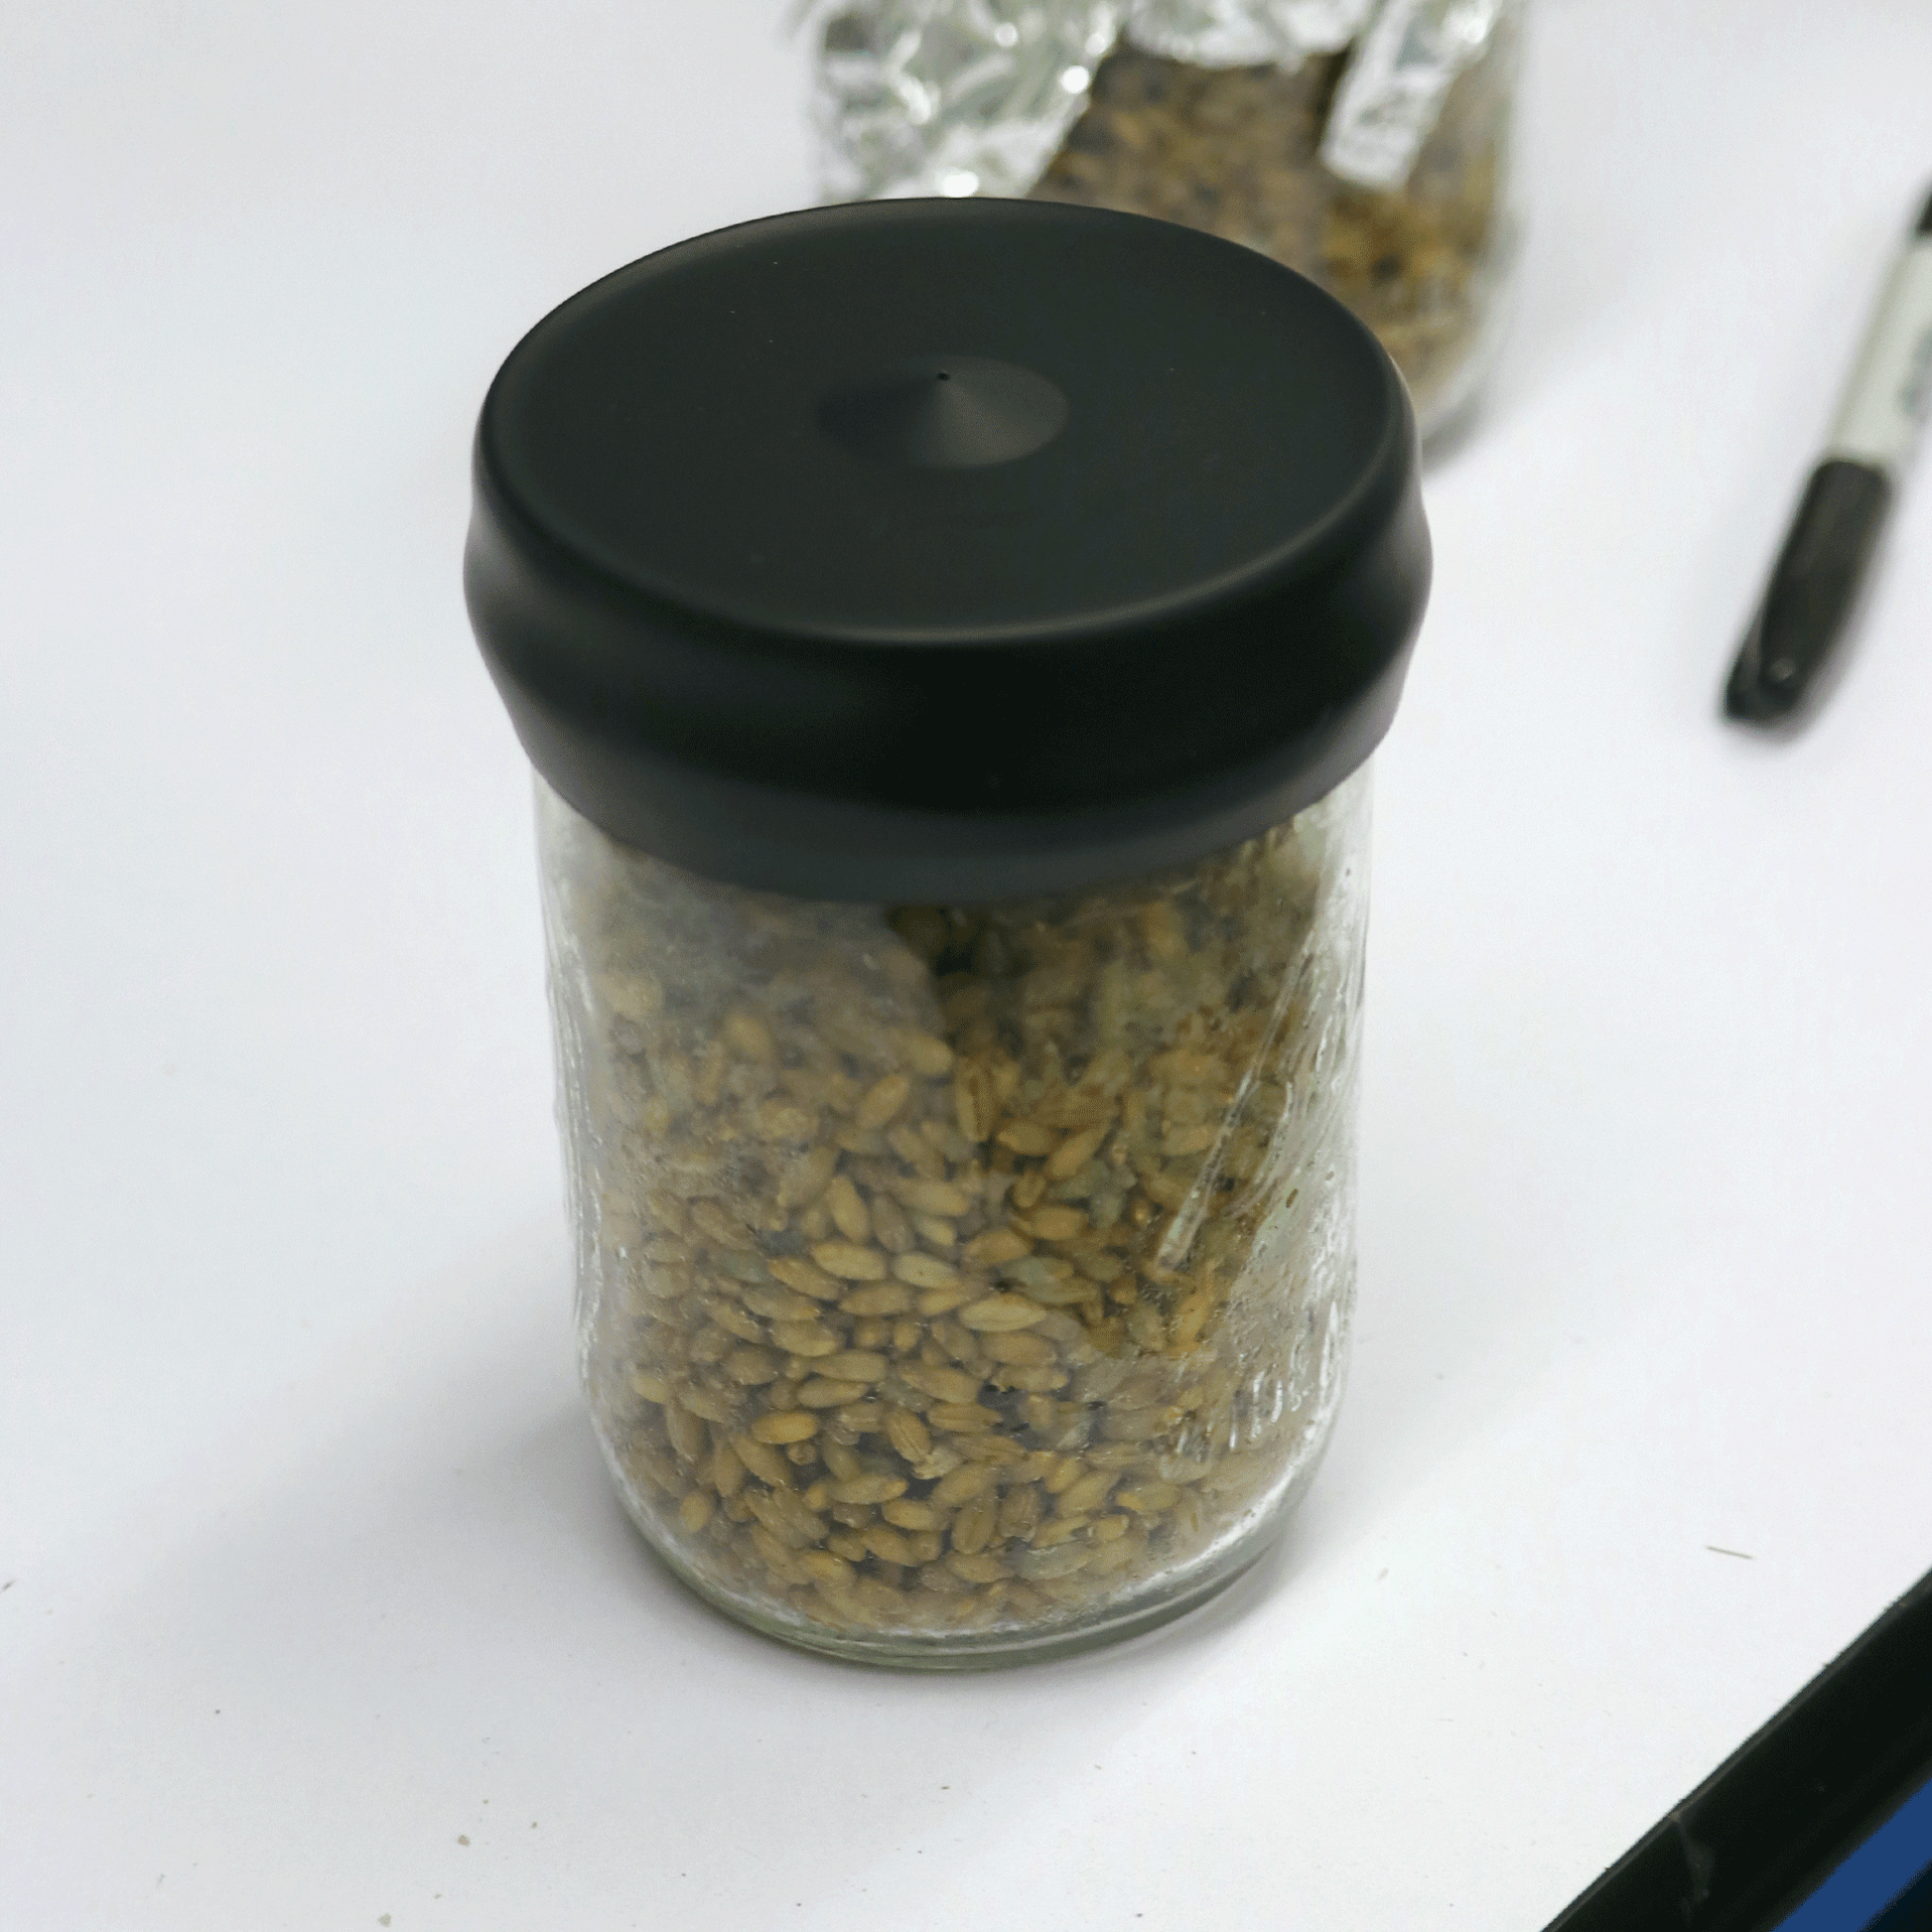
<point>962,1282</point>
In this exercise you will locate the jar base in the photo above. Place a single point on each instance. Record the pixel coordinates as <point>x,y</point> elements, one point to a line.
<point>954,1650</point>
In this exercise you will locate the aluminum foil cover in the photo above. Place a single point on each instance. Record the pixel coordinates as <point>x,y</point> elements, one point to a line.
<point>950,96</point>
<point>1244,33</point>
<point>1393,91</point>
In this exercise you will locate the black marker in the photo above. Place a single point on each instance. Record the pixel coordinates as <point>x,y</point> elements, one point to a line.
<point>1817,576</point>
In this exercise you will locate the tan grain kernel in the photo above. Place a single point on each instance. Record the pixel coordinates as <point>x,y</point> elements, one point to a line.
<point>1041,1414</point>
<point>888,1545</point>
<point>1186,1069</point>
<point>821,1393</point>
<point>694,1512</point>
<point>925,1271</point>
<point>853,1365</point>
<point>974,1527</point>
<point>806,1338</point>
<point>975,1106</point>
<point>1020,1347</point>
<point>1052,1222</point>
<point>1000,1314</point>
<point>1075,1153</point>
<point>1032,1381</point>
<point>920,1153</point>
<point>747,1035</point>
<point>996,1247</point>
<point>807,1177</point>
<point>871,1489</point>
<point>1063,1529</point>
<point>764,1462</point>
<point>686,1431</point>
<point>712,1069</point>
<point>934,1232</point>
<point>941,1383</point>
<point>962,1485</point>
<point>1027,1137</point>
<point>775,1557</point>
<point>710,1348</point>
<point>848,1209</point>
<point>1137,1424</point>
<point>725,1229</point>
<point>978,1569</point>
<point>651,1386</point>
<point>1191,1318</point>
<point>1037,1566</point>
<point>734,1321</point>
<point>889,1227</point>
<point>850,1262</point>
<point>806,1280</point>
<point>784,1120</point>
<point>942,1300</point>
<point>1063,1476</point>
<point>785,1426</point>
<point>962,1415</point>
<point>908,1436</point>
<point>925,1053</point>
<point>1021,1510</point>
<point>889,1297</point>
<point>1083,1497</point>
<point>935,1198</point>
<point>827,1570</point>
<point>727,1471</point>
<point>751,1368</point>
<point>884,1100</point>
<point>906,1514</point>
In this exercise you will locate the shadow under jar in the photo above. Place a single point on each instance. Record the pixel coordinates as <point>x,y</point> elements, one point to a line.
<point>951,743</point>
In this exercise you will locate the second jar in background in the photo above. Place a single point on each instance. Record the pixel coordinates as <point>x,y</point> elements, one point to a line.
<point>1366,143</point>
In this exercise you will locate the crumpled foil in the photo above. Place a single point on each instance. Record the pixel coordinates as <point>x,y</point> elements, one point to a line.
<point>950,96</point>
<point>975,96</point>
<point>1244,33</point>
<point>1393,91</point>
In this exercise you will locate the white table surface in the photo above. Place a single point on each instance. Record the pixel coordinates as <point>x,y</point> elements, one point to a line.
<point>315,1608</point>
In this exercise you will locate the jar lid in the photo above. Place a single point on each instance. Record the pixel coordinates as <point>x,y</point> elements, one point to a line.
<point>947,550</point>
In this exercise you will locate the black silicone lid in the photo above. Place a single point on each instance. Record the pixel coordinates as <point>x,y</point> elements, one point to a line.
<point>946,549</point>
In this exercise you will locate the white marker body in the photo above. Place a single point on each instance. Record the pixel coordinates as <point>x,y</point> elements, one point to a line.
<point>1891,392</point>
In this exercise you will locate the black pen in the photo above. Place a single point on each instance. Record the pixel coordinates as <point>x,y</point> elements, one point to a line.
<point>1816,578</point>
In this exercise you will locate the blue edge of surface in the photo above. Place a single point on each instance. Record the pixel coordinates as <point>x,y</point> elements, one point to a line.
<point>1877,1875</point>
<point>1820,1822</point>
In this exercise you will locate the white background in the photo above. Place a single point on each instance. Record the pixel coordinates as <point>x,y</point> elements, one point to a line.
<point>308,1568</point>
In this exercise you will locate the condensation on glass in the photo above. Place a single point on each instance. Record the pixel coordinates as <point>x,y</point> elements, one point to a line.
<point>959,1282</point>
<point>1366,143</point>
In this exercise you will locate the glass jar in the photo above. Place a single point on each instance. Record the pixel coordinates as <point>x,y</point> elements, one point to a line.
<point>1366,143</point>
<point>953,813</point>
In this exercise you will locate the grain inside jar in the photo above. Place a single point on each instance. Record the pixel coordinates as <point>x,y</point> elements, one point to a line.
<point>951,1270</point>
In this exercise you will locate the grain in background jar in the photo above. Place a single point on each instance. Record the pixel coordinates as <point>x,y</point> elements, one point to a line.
<point>951,719</point>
